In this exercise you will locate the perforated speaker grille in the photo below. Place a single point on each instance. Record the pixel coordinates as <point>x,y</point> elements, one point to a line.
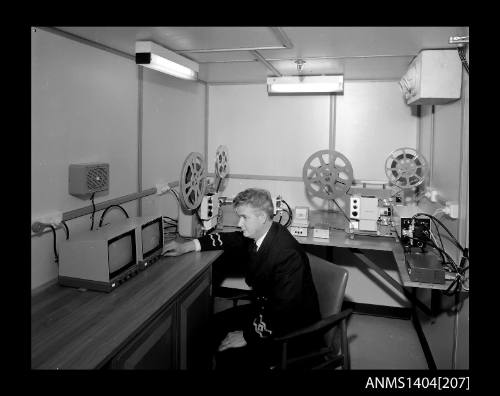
<point>89,178</point>
<point>97,178</point>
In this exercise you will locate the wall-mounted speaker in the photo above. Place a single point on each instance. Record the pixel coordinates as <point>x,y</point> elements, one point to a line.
<point>87,179</point>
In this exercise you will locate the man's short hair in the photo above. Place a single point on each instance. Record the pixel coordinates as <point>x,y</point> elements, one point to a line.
<point>257,198</point>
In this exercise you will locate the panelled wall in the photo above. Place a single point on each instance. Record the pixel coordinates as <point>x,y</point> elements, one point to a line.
<point>173,122</point>
<point>90,104</point>
<point>444,141</point>
<point>83,109</point>
<point>269,138</point>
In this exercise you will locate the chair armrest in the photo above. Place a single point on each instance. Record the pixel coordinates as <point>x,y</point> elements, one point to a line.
<point>322,324</point>
<point>233,294</point>
<point>241,296</point>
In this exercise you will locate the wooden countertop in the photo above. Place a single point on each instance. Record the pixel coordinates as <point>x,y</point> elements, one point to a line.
<point>65,321</point>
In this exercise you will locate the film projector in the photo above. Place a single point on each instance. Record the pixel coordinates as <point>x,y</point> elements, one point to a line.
<point>210,204</point>
<point>328,174</point>
<point>192,187</point>
<point>406,168</point>
<point>198,200</point>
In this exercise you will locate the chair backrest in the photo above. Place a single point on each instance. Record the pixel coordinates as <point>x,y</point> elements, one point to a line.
<point>330,281</point>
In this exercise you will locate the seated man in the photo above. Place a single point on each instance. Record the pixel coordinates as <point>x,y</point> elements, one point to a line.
<point>278,271</point>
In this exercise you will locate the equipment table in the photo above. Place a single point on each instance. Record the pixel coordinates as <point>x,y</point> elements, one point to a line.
<point>357,244</point>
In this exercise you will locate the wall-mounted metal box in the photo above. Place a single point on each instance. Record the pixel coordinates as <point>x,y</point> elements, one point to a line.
<point>433,77</point>
<point>86,179</point>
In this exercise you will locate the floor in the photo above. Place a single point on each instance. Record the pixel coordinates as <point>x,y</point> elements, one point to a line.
<point>376,342</point>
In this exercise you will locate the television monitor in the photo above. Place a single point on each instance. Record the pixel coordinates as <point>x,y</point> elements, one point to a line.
<point>121,253</point>
<point>151,238</point>
<point>101,259</point>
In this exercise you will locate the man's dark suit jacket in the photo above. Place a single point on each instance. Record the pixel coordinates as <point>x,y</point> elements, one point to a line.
<point>280,276</point>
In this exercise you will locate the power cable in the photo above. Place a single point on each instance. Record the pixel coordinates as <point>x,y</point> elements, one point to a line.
<point>56,256</point>
<point>290,214</point>
<point>110,207</point>
<point>66,229</point>
<point>335,202</point>
<point>461,54</point>
<point>458,283</point>
<point>457,244</point>
<point>93,211</point>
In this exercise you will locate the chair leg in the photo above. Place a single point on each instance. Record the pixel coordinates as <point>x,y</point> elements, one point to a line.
<point>283,355</point>
<point>345,345</point>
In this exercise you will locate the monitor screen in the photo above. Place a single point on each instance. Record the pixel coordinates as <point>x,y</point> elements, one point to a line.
<point>152,237</point>
<point>121,253</point>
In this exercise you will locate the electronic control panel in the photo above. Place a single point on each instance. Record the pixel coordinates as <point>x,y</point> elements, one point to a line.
<point>415,232</point>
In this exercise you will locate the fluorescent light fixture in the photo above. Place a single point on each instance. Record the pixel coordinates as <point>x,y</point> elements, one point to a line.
<point>156,57</point>
<point>305,84</point>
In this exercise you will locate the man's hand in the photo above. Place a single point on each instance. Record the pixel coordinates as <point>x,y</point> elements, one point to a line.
<point>174,248</point>
<point>234,339</point>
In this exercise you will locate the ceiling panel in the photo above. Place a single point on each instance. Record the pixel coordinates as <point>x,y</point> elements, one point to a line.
<point>391,68</point>
<point>362,41</point>
<point>357,52</point>
<point>310,67</point>
<point>386,68</point>
<point>242,72</point>
<point>120,38</point>
<point>213,37</point>
<point>178,38</point>
<point>207,57</point>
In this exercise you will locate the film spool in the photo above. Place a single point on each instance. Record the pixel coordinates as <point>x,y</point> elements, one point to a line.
<point>193,181</point>
<point>327,174</point>
<point>406,168</point>
<point>221,162</point>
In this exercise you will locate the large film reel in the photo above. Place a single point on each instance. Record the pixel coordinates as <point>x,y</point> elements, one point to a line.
<point>193,181</point>
<point>406,168</point>
<point>221,162</point>
<point>327,174</point>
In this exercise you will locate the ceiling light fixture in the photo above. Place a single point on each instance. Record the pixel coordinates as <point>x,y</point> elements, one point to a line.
<point>305,85</point>
<point>156,57</point>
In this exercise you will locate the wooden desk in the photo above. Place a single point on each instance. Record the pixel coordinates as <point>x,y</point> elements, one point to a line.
<point>72,329</point>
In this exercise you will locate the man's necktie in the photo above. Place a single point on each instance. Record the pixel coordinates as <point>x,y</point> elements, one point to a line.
<point>253,247</point>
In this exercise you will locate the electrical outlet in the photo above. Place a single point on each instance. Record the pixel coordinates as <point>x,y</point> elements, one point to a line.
<point>37,227</point>
<point>434,196</point>
<point>277,203</point>
<point>162,188</point>
<point>431,194</point>
<point>53,218</point>
<point>458,40</point>
<point>451,209</point>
